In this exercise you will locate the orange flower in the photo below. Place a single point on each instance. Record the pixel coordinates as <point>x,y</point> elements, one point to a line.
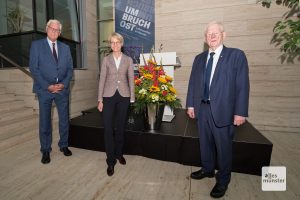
<point>137,81</point>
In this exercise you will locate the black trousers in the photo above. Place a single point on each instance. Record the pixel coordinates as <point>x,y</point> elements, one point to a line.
<point>114,117</point>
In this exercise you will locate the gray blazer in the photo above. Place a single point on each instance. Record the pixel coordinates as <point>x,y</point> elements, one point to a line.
<point>112,79</point>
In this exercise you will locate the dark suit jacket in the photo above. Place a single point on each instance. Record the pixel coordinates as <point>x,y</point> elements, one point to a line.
<point>229,90</point>
<point>112,78</point>
<point>44,68</point>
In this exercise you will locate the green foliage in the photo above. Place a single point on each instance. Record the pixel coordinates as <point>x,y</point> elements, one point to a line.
<point>287,32</point>
<point>15,19</point>
<point>104,51</point>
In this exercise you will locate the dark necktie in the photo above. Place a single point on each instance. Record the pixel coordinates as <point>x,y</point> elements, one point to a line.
<point>207,76</point>
<point>54,51</point>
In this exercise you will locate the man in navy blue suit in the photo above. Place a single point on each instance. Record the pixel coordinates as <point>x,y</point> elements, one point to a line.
<point>52,68</point>
<point>218,96</point>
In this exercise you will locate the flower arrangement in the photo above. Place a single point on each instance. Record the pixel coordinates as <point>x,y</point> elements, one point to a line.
<point>153,86</point>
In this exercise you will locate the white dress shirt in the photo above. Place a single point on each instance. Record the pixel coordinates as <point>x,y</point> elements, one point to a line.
<point>215,61</point>
<point>117,61</point>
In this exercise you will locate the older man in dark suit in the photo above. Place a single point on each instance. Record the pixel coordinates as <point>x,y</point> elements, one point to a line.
<point>52,68</point>
<point>218,96</point>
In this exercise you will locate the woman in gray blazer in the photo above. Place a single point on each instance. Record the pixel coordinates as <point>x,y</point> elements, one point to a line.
<point>116,91</point>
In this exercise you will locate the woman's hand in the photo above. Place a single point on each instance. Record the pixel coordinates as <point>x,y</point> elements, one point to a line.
<point>100,106</point>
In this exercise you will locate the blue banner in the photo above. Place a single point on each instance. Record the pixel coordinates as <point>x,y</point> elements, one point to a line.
<point>134,20</point>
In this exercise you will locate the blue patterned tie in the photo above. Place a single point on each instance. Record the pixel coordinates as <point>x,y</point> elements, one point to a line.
<point>207,76</point>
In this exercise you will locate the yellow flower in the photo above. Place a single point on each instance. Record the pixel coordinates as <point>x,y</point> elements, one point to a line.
<point>169,78</point>
<point>150,61</point>
<point>162,80</point>
<point>154,89</point>
<point>170,98</point>
<point>148,76</point>
<point>172,90</point>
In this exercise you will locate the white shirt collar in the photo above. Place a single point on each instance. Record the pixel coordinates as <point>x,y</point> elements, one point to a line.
<point>118,61</point>
<point>217,51</point>
<point>51,46</point>
<point>50,42</point>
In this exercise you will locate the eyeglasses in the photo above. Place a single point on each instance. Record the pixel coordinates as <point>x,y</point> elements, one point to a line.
<point>53,30</point>
<point>214,34</point>
<point>115,43</point>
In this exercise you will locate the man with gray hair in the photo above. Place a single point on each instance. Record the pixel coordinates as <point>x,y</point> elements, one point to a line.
<point>218,96</point>
<point>52,68</point>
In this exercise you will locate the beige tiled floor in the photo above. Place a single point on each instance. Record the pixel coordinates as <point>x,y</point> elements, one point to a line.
<point>83,176</point>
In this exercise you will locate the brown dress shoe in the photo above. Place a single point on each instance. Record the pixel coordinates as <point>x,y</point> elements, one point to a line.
<point>110,170</point>
<point>122,160</point>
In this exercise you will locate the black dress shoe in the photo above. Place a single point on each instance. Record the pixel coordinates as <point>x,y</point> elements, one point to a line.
<point>200,174</point>
<point>110,170</point>
<point>66,151</point>
<point>46,158</point>
<point>218,191</point>
<point>122,160</point>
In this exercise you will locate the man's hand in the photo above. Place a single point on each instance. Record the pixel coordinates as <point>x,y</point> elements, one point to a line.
<point>60,86</point>
<point>56,88</point>
<point>191,113</point>
<point>239,120</point>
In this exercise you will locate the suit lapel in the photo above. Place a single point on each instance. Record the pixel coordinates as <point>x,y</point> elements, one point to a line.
<point>49,50</point>
<point>199,76</point>
<point>60,52</point>
<point>122,61</point>
<point>112,62</point>
<point>202,65</point>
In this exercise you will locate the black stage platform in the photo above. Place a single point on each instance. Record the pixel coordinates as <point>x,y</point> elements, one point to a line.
<point>176,141</point>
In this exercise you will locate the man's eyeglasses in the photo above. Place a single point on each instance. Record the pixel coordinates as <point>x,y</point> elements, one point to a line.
<point>216,34</point>
<point>53,30</point>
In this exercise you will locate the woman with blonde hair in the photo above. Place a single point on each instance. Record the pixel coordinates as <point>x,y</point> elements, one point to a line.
<point>116,91</point>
